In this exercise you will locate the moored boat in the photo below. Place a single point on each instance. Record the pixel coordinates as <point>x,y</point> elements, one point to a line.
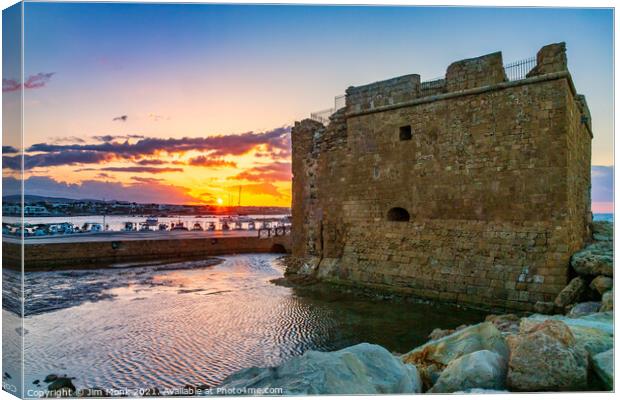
<point>144,227</point>
<point>152,221</point>
<point>91,227</point>
<point>129,227</point>
<point>179,227</point>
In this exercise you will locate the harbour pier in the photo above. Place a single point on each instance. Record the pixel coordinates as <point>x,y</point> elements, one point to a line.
<point>119,249</point>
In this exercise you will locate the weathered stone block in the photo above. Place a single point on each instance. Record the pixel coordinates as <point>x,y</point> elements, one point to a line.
<point>571,293</point>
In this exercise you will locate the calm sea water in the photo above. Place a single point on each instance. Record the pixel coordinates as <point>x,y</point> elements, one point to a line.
<point>169,325</point>
<point>604,217</point>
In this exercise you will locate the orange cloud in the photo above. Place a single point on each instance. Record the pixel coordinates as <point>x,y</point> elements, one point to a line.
<point>277,171</point>
<point>203,161</point>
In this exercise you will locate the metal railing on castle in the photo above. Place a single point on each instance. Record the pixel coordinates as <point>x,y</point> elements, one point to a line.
<point>322,116</point>
<point>433,86</point>
<point>515,71</point>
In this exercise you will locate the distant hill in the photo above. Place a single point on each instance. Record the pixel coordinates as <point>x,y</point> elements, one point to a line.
<point>29,198</point>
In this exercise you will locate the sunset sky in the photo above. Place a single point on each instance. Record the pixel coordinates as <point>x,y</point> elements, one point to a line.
<point>185,103</point>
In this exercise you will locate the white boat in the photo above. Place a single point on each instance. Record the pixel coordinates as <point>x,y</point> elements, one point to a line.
<point>163,227</point>
<point>225,227</point>
<point>65,227</point>
<point>197,227</point>
<point>211,226</point>
<point>144,227</point>
<point>152,221</point>
<point>251,226</point>
<point>92,227</point>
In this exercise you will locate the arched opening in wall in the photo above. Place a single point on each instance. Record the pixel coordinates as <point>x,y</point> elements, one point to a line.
<point>398,214</point>
<point>404,133</point>
<point>278,248</point>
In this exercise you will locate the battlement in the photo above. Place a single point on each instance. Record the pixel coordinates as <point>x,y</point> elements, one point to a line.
<point>388,92</point>
<point>484,71</point>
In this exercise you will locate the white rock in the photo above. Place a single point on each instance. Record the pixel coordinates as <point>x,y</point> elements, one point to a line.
<point>482,369</point>
<point>360,369</point>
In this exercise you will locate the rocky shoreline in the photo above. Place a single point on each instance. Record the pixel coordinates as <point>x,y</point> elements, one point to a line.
<point>566,346</point>
<point>505,353</point>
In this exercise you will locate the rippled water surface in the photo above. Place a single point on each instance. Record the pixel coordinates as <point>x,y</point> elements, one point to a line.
<point>166,326</point>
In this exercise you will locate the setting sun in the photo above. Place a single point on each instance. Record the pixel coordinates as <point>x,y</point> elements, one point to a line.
<point>220,201</point>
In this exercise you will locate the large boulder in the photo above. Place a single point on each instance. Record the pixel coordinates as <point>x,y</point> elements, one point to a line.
<point>482,369</point>
<point>603,321</point>
<point>593,332</point>
<point>607,301</point>
<point>438,333</point>
<point>601,284</point>
<point>483,336</point>
<point>595,259</point>
<point>432,357</point>
<point>602,230</point>
<point>505,323</point>
<point>581,309</point>
<point>571,293</point>
<point>546,357</point>
<point>360,369</point>
<point>603,366</point>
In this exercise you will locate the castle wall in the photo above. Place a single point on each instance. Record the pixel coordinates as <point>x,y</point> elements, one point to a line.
<point>495,176</point>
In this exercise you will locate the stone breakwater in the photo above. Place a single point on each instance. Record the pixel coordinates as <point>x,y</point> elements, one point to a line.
<point>94,254</point>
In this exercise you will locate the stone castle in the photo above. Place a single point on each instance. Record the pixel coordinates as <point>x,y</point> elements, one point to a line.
<point>472,189</point>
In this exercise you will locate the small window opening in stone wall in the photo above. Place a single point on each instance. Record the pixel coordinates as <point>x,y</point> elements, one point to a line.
<point>398,214</point>
<point>405,133</point>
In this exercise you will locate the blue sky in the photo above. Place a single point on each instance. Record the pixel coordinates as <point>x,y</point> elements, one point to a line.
<point>200,70</point>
